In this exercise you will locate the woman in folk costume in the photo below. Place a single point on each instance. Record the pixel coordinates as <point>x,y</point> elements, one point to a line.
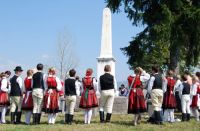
<point>27,104</point>
<point>195,93</point>
<point>4,94</point>
<point>169,101</point>
<point>136,104</point>
<point>51,96</point>
<point>88,97</point>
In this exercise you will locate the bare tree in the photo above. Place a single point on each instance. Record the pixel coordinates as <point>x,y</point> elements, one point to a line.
<point>67,58</point>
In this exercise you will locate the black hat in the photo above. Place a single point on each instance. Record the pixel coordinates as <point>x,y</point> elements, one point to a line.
<point>18,68</point>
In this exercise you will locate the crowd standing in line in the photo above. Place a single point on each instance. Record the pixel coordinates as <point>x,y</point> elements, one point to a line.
<point>41,93</point>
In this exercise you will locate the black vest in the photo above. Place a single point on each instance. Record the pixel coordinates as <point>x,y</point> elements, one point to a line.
<point>186,89</point>
<point>70,87</point>
<point>38,81</point>
<point>15,88</point>
<point>107,81</point>
<point>157,84</point>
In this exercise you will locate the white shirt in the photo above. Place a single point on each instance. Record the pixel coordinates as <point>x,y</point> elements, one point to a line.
<point>165,81</point>
<point>20,82</point>
<point>193,90</point>
<point>115,85</point>
<point>181,87</point>
<point>59,85</point>
<point>78,86</point>
<point>79,89</point>
<point>4,85</point>
<point>44,80</point>
<point>151,82</point>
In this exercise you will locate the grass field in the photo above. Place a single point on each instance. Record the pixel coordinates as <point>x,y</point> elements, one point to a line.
<point>118,123</point>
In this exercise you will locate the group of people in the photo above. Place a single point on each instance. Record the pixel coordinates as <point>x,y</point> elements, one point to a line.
<point>162,94</point>
<point>40,93</point>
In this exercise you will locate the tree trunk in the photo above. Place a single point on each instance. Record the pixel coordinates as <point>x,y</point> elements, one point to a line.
<point>174,60</point>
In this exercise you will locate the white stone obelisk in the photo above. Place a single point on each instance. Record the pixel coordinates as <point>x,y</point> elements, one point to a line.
<point>106,56</point>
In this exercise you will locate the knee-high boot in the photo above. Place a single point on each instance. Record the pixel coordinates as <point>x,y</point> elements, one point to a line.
<point>108,117</point>
<point>101,114</point>
<point>12,117</point>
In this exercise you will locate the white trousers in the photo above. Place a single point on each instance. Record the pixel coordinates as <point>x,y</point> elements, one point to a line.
<point>88,116</point>
<point>195,112</point>
<point>16,102</point>
<point>168,115</point>
<point>37,95</point>
<point>157,99</point>
<point>70,103</point>
<point>52,118</point>
<point>107,100</point>
<point>185,103</point>
<point>3,114</point>
<point>28,117</point>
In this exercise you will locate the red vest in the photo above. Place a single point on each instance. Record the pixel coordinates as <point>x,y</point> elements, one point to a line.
<point>27,83</point>
<point>51,82</point>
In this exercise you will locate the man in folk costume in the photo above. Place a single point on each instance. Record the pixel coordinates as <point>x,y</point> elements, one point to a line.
<point>136,104</point>
<point>155,86</point>
<point>88,97</point>
<point>4,94</point>
<point>71,87</point>
<point>27,104</point>
<point>38,86</point>
<point>195,93</point>
<point>169,101</point>
<point>107,87</point>
<point>52,96</point>
<point>16,95</point>
<point>185,98</point>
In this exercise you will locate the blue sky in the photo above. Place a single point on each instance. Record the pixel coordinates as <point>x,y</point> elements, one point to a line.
<point>29,31</point>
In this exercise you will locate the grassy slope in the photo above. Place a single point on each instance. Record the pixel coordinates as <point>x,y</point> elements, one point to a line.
<point>119,123</point>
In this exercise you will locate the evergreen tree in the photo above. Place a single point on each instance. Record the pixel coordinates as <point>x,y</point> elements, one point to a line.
<point>171,34</point>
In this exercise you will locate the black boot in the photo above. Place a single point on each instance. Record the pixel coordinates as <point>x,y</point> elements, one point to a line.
<point>67,118</point>
<point>12,118</point>
<point>34,118</point>
<point>184,116</point>
<point>101,114</point>
<point>108,116</point>
<point>38,118</point>
<point>158,119</point>
<point>18,119</point>
<point>70,119</point>
<point>188,117</point>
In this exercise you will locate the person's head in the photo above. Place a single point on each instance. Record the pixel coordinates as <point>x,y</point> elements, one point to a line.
<point>52,71</point>
<point>170,73</point>
<point>177,77</point>
<point>138,71</point>
<point>29,72</point>
<point>184,78</point>
<point>122,86</point>
<point>2,75</point>
<point>72,73</point>
<point>39,67</point>
<point>155,69</point>
<point>77,78</point>
<point>107,68</point>
<point>198,75</point>
<point>194,79</point>
<point>89,72</point>
<point>8,73</point>
<point>186,72</point>
<point>18,70</point>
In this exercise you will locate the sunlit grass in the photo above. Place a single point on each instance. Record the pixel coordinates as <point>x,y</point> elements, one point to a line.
<point>118,123</point>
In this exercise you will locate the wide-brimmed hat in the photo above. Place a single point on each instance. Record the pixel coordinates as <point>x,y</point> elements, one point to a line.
<point>18,68</point>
